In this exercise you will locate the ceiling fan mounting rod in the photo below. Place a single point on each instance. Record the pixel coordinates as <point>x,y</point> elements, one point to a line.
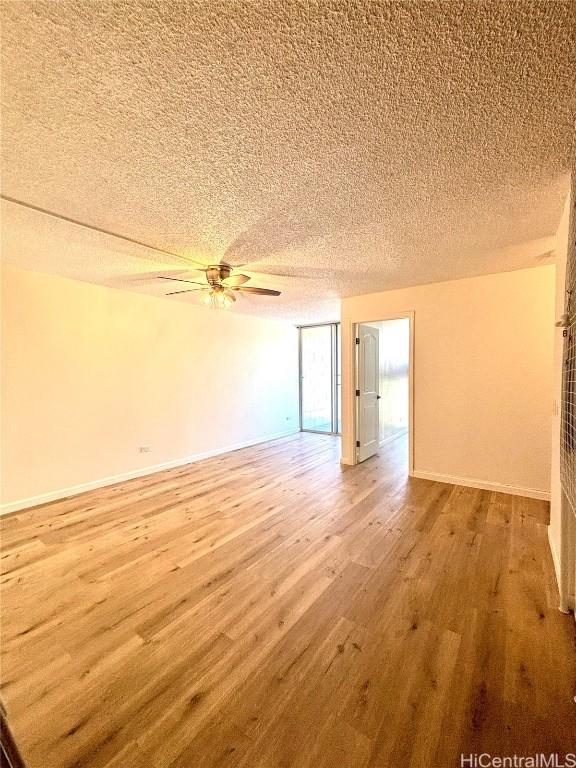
<point>216,273</point>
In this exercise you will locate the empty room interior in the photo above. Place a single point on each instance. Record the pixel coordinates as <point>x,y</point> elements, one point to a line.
<point>288,384</point>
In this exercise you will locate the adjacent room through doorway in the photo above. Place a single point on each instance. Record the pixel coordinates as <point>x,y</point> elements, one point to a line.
<point>394,354</point>
<point>383,384</point>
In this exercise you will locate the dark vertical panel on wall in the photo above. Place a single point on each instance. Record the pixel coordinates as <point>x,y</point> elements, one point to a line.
<point>568,446</point>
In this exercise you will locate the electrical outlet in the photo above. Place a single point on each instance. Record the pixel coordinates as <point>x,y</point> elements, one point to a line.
<point>144,449</point>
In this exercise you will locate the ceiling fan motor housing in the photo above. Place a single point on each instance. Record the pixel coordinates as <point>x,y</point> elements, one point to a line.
<point>215,273</point>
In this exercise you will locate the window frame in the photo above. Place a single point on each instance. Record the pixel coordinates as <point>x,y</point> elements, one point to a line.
<point>335,375</point>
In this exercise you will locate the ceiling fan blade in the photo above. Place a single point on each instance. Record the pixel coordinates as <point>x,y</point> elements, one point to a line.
<point>266,273</point>
<point>194,272</point>
<point>187,290</point>
<point>260,291</point>
<point>235,280</point>
<point>179,280</point>
<point>299,273</point>
<point>230,295</point>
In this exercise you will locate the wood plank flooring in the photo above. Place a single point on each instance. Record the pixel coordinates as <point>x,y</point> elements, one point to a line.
<point>270,608</point>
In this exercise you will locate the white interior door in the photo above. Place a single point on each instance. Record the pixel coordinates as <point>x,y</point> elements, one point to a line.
<point>367,393</point>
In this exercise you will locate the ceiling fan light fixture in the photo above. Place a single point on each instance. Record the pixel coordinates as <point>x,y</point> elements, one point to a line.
<point>221,288</point>
<point>215,298</point>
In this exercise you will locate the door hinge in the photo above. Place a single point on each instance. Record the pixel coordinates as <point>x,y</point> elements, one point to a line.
<point>357,393</point>
<point>357,443</point>
<point>357,341</point>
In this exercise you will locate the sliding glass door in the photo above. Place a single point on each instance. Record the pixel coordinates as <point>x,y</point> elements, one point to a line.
<point>320,378</point>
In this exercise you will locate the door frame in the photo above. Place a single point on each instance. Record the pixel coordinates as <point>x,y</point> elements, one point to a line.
<point>409,315</point>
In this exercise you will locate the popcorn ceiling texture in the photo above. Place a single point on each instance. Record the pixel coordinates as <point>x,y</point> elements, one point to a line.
<point>378,144</point>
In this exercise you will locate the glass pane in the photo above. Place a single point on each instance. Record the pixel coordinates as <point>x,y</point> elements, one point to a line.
<point>338,380</point>
<point>317,378</point>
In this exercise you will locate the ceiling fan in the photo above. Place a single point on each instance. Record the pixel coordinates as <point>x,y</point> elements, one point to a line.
<point>218,292</point>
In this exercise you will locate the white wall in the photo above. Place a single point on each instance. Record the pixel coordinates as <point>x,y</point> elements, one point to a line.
<point>90,374</point>
<point>483,355</point>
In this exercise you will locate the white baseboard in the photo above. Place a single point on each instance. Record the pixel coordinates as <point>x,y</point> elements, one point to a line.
<point>395,436</point>
<point>73,490</point>
<point>485,485</point>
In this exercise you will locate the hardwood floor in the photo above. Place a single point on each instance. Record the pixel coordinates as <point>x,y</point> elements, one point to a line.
<point>270,608</point>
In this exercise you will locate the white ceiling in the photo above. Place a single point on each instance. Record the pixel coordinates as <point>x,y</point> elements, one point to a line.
<point>373,144</point>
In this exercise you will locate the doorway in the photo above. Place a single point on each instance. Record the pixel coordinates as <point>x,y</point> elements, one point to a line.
<point>320,378</point>
<point>384,385</point>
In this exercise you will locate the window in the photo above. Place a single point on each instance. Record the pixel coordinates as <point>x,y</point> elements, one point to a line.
<point>320,378</point>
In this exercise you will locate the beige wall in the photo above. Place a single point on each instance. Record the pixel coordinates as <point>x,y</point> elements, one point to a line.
<point>90,374</point>
<point>483,354</point>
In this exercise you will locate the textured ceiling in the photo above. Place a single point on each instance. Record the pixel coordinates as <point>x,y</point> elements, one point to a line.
<point>380,144</point>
